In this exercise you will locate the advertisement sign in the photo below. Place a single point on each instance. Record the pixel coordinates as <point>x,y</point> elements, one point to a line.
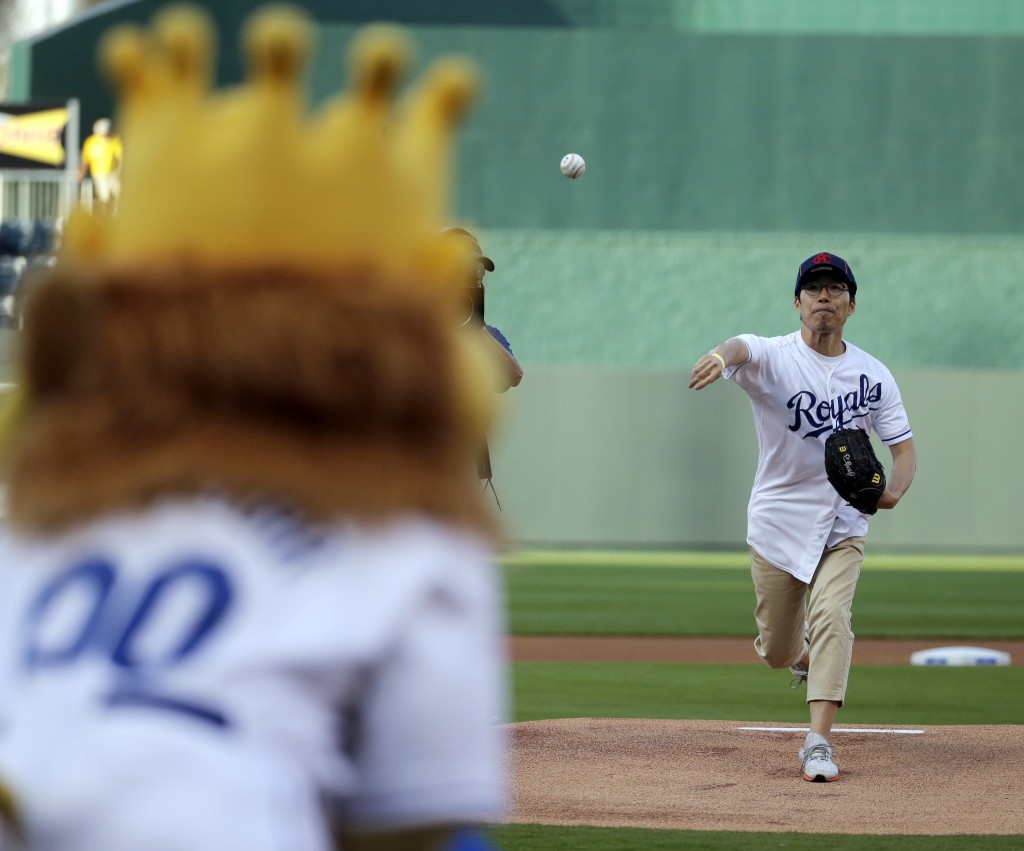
<point>32,136</point>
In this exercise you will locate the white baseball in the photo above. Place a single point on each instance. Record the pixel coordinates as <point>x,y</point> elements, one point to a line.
<point>573,166</point>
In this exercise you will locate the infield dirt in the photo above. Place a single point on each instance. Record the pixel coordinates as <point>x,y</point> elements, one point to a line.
<point>711,775</point>
<point>866,651</point>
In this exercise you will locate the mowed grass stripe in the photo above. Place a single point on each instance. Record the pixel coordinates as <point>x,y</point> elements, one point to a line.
<point>535,837</point>
<point>873,561</point>
<point>889,695</point>
<point>549,599</point>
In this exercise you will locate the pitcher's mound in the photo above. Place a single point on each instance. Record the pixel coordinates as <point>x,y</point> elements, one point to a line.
<point>711,775</point>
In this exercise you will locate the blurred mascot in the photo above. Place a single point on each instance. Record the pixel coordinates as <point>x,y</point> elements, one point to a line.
<point>247,593</point>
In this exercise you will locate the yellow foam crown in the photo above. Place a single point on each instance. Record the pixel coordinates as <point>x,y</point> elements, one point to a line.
<point>247,176</point>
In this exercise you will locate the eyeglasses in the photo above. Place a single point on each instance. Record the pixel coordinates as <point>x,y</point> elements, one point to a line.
<point>833,288</point>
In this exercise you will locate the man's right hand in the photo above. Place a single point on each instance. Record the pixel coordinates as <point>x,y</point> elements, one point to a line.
<point>707,370</point>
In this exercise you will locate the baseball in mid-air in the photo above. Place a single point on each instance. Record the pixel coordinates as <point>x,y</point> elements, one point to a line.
<point>573,166</point>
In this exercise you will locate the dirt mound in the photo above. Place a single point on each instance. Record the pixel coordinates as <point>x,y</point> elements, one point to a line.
<point>711,775</point>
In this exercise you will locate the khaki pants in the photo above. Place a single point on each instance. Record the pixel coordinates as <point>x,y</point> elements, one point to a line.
<point>783,601</point>
<point>106,186</point>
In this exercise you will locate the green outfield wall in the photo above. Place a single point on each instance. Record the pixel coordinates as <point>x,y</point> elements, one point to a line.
<point>692,116</point>
<point>724,145</point>
<point>661,299</point>
<point>726,140</point>
<point>632,458</point>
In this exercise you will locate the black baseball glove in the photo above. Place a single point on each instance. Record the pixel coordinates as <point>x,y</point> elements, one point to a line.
<point>853,469</point>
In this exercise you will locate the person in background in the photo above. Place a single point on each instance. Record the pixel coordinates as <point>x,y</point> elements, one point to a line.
<point>510,371</point>
<point>101,163</point>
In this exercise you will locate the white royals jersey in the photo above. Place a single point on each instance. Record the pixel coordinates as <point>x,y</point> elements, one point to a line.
<point>195,677</point>
<point>799,397</point>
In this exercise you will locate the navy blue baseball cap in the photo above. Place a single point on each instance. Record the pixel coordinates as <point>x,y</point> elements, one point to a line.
<point>823,261</point>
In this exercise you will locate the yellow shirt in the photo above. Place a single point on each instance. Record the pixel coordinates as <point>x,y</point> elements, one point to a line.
<point>101,154</point>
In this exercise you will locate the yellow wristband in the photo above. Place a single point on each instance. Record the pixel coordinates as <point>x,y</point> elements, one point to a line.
<point>720,358</point>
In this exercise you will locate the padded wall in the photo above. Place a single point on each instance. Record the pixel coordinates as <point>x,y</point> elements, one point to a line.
<point>623,458</point>
<point>717,163</point>
<point>726,140</point>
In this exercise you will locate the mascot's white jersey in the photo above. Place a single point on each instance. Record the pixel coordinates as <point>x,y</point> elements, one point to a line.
<point>799,398</point>
<point>194,677</point>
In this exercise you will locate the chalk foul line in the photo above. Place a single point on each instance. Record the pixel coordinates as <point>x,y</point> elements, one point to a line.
<point>834,730</point>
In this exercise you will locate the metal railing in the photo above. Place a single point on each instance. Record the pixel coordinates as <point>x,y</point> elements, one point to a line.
<point>33,208</point>
<point>41,196</point>
<point>31,196</point>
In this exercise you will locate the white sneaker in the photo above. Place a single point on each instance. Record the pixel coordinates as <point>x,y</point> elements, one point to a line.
<point>799,668</point>
<point>816,760</point>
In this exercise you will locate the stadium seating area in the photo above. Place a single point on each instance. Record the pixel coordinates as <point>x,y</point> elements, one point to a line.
<point>25,246</point>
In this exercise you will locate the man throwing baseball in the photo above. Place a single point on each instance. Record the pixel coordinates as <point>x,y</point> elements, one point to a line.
<point>806,540</point>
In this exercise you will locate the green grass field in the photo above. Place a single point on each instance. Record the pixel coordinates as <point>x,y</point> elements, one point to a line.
<point>559,599</point>
<point>544,838</point>
<point>880,694</point>
<point>951,600</point>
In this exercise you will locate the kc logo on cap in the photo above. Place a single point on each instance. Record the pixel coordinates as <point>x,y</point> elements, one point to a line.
<point>824,259</point>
